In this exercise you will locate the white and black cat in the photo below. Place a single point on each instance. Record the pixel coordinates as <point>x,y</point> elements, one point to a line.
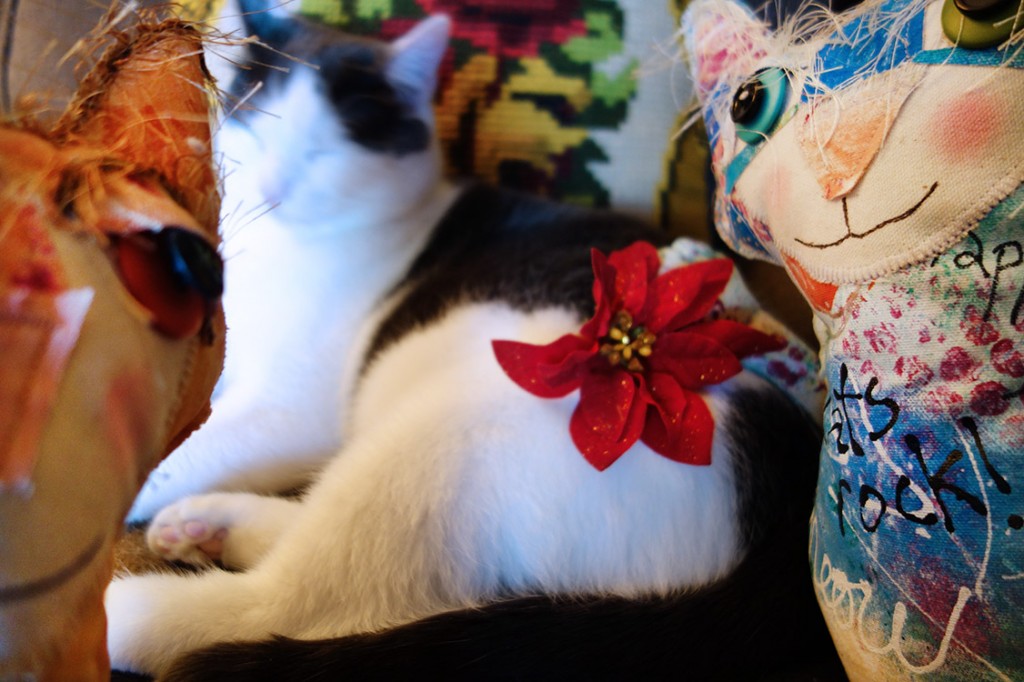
<point>452,527</point>
<point>329,195</point>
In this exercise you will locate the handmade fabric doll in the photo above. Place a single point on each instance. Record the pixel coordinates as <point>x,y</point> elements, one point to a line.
<point>111,333</point>
<point>879,159</point>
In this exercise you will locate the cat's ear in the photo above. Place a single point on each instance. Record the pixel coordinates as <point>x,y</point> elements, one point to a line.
<point>268,20</point>
<point>147,103</point>
<point>724,42</point>
<point>416,57</point>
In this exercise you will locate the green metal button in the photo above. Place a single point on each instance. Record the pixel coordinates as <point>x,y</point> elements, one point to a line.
<point>980,24</point>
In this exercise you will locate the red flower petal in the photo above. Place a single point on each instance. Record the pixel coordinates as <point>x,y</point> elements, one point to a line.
<point>609,417</point>
<point>636,266</point>
<point>693,361</point>
<point>680,426</point>
<point>739,338</point>
<point>684,295</point>
<point>550,371</point>
<point>604,295</point>
<point>618,407</point>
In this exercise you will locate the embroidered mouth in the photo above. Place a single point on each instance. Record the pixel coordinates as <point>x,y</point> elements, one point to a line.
<point>850,234</point>
<point>34,588</point>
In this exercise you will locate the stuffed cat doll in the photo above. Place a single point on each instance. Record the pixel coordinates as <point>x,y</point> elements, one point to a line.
<point>110,331</point>
<point>880,160</point>
<point>562,447</point>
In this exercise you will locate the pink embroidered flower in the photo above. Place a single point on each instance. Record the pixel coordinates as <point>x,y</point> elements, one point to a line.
<point>640,360</point>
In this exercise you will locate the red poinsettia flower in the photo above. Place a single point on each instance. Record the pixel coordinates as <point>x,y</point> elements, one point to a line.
<point>640,360</point>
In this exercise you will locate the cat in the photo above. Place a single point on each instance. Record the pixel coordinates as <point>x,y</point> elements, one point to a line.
<point>457,520</point>
<point>295,398</point>
<point>878,158</point>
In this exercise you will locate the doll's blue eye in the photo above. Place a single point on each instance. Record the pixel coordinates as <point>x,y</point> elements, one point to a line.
<point>758,104</point>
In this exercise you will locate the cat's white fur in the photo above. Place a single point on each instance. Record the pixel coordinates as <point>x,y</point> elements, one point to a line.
<point>453,485</point>
<point>317,229</point>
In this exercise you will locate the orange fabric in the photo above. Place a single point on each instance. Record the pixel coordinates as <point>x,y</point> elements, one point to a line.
<point>136,135</point>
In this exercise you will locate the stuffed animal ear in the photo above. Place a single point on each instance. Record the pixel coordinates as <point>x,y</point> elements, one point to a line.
<point>147,103</point>
<point>724,43</point>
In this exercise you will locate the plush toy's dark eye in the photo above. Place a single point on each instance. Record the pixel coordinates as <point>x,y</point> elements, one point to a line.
<point>175,273</point>
<point>195,263</point>
<point>979,24</point>
<point>758,104</point>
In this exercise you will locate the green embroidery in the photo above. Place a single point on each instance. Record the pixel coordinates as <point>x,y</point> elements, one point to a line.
<point>374,9</point>
<point>601,41</point>
<point>579,185</point>
<point>328,11</point>
<point>617,89</point>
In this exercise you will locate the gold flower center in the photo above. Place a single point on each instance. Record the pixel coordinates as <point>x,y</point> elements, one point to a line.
<point>625,343</point>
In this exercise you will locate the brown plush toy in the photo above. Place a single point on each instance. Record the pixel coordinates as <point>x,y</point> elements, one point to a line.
<point>111,331</point>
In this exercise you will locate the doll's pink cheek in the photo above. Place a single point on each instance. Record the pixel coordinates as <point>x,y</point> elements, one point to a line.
<point>964,129</point>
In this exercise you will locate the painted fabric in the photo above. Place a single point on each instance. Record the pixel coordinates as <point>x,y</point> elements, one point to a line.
<point>884,171</point>
<point>917,540</point>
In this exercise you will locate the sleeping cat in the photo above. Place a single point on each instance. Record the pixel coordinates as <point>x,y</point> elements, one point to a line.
<point>458,520</point>
<point>314,205</point>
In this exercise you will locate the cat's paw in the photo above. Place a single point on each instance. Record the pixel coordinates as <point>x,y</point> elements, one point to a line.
<point>236,529</point>
<point>192,530</point>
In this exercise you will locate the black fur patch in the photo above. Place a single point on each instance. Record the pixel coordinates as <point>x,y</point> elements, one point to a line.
<point>352,71</point>
<point>775,448</point>
<point>760,623</point>
<point>498,245</point>
<point>370,106</point>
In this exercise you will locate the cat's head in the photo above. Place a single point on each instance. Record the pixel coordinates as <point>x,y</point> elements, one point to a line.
<point>111,332</point>
<point>333,127</point>
<point>847,147</point>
